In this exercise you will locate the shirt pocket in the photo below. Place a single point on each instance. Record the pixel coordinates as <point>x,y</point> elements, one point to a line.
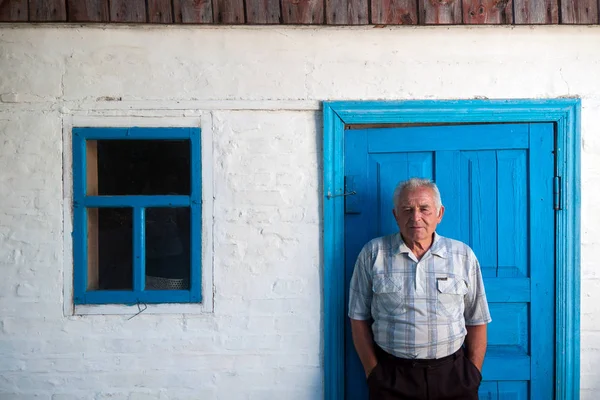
<point>450,296</point>
<point>388,295</point>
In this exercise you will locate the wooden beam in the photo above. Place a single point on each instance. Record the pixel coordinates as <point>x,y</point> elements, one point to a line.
<point>263,12</point>
<point>47,10</point>
<point>160,12</point>
<point>440,12</point>
<point>346,12</point>
<point>579,12</point>
<point>193,11</point>
<point>127,11</point>
<point>487,11</point>
<point>332,12</point>
<point>302,11</point>
<point>536,11</point>
<point>229,11</point>
<point>394,12</point>
<point>13,11</point>
<point>88,10</point>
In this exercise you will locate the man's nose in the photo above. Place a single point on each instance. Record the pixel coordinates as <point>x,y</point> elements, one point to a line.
<point>415,215</point>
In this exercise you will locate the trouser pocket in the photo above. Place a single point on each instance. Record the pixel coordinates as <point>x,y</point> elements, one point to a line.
<point>474,370</point>
<point>374,375</point>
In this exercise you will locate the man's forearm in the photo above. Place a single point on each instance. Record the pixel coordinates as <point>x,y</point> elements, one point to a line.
<point>363,342</point>
<point>476,342</point>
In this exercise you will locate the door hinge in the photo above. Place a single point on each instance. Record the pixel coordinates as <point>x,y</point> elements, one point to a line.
<point>557,191</point>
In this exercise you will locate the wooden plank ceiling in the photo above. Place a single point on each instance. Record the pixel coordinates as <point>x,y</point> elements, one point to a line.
<point>304,12</point>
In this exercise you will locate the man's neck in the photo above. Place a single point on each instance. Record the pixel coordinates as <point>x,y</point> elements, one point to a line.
<point>419,248</point>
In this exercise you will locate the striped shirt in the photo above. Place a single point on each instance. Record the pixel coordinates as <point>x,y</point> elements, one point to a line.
<point>421,307</point>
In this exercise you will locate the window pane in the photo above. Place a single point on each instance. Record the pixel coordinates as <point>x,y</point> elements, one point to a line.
<point>138,167</point>
<point>167,249</point>
<point>110,249</point>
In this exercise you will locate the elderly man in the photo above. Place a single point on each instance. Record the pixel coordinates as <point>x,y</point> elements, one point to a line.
<point>415,299</point>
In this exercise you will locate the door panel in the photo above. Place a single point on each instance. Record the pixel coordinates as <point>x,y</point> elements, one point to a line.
<point>488,391</point>
<point>512,213</point>
<point>398,140</point>
<point>513,390</point>
<point>513,317</point>
<point>495,182</point>
<point>477,174</point>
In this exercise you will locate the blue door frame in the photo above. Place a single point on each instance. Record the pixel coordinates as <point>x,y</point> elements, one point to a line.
<point>564,113</point>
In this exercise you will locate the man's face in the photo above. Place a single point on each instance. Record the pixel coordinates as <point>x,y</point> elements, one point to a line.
<point>416,214</point>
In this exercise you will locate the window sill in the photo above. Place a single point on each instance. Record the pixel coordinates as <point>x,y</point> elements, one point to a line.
<point>119,309</point>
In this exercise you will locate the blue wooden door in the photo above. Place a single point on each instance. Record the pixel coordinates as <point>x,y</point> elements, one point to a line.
<point>496,184</point>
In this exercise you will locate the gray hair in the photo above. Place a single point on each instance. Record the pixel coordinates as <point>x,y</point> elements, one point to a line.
<point>416,183</point>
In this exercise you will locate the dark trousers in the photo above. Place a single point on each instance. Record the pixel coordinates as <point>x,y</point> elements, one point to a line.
<point>449,378</point>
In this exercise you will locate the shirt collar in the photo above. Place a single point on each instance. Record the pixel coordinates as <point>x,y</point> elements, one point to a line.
<point>437,247</point>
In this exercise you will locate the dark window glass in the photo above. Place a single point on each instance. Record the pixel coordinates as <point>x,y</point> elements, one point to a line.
<point>110,249</point>
<point>167,249</point>
<point>141,167</point>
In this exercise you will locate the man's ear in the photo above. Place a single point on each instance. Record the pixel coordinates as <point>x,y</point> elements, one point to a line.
<point>441,214</point>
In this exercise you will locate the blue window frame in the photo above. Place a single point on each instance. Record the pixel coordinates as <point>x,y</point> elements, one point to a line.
<point>137,205</point>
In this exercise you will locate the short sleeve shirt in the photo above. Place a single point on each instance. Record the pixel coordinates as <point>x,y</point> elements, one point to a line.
<point>420,307</point>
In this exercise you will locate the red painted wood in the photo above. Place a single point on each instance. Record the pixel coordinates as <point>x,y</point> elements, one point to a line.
<point>263,12</point>
<point>536,11</point>
<point>88,10</point>
<point>346,12</point>
<point>47,10</point>
<point>228,11</point>
<point>127,11</point>
<point>440,12</point>
<point>394,12</point>
<point>193,11</point>
<point>160,12</point>
<point>13,11</point>
<point>302,11</point>
<point>579,12</point>
<point>487,12</point>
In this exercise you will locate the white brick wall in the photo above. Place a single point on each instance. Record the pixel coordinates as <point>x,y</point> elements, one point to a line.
<point>257,91</point>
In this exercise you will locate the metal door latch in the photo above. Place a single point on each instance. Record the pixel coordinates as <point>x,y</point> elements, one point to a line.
<point>330,196</point>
